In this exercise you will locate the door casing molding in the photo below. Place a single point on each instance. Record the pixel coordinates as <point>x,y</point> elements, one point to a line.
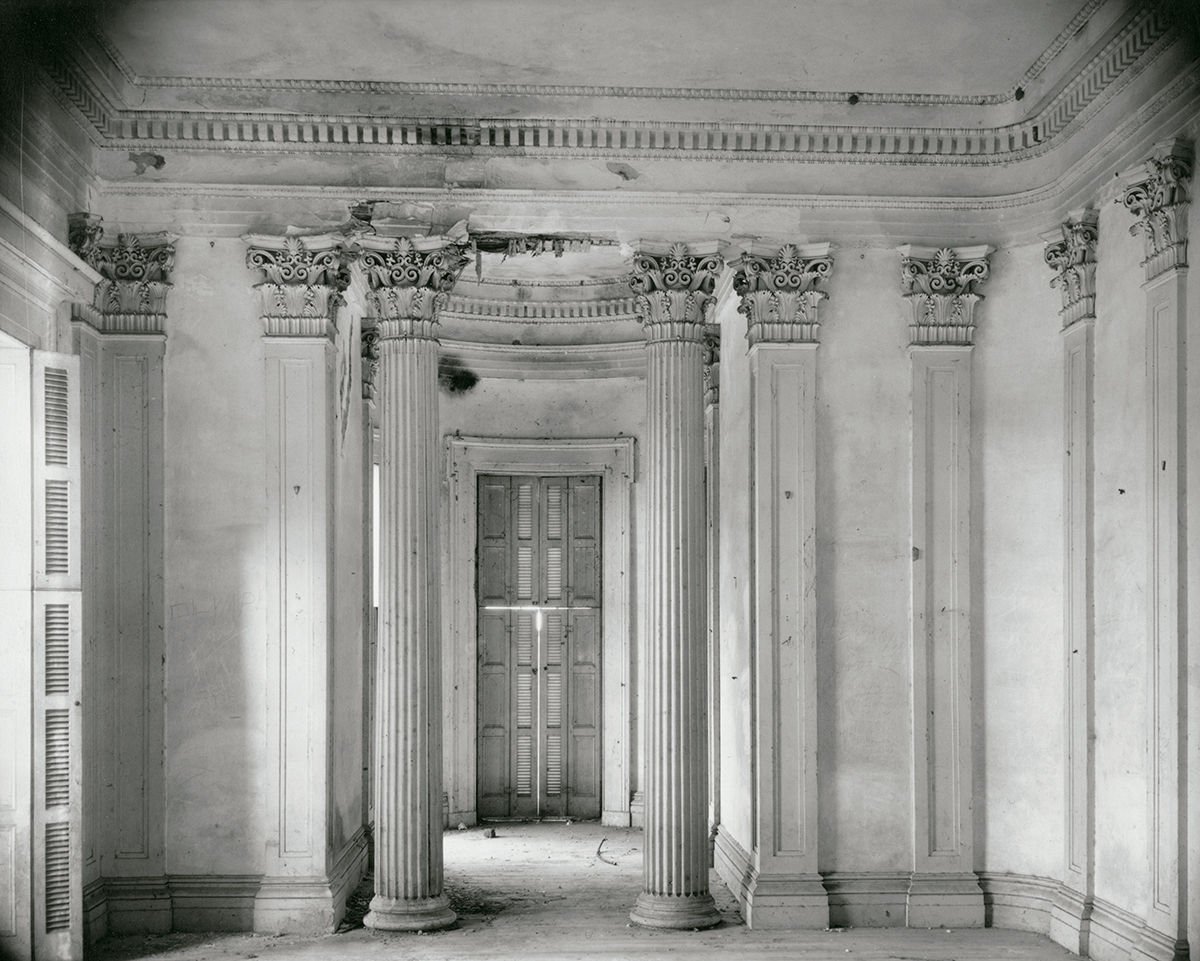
<point>613,458</point>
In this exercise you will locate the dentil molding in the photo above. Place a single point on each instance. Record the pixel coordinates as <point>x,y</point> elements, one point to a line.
<point>1072,257</point>
<point>1156,193</point>
<point>779,294</point>
<point>940,287</point>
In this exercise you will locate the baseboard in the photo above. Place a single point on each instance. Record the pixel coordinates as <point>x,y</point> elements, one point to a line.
<point>950,900</point>
<point>867,900</point>
<point>1117,935</point>
<point>213,902</point>
<point>637,810</point>
<point>1021,901</point>
<point>311,905</point>
<point>95,911</point>
<point>1071,920</point>
<point>615,819</point>
<point>770,902</point>
<point>469,818</point>
<point>138,905</point>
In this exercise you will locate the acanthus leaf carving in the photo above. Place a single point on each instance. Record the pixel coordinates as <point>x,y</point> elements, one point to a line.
<point>940,285</point>
<point>409,282</point>
<point>135,271</point>
<point>673,291</point>
<point>779,294</point>
<point>304,277</point>
<point>1072,257</point>
<point>1157,195</point>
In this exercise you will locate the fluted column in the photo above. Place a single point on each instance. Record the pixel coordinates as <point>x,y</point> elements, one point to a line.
<point>409,280</point>
<point>674,298</point>
<point>779,294</point>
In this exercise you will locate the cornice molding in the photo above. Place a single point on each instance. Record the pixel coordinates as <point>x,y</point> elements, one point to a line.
<point>409,89</point>
<point>940,286</point>
<point>460,307</point>
<point>779,293</point>
<point>1072,257</point>
<point>1157,195</point>
<point>1143,37</point>
<point>304,277</point>
<point>135,276</point>
<point>673,289</point>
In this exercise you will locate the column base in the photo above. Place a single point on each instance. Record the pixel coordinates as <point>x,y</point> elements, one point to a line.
<point>401,914</point>
<point>675,911</point>
<point>1071,920</point>
<point>944,901</point>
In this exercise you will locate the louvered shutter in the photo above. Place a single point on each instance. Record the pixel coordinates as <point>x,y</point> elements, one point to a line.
<point>57,895</point>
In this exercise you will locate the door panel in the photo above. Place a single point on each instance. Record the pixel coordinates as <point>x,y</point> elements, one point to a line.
<point>538,588</point>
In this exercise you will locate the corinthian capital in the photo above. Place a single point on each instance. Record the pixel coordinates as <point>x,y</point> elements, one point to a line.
<point>303,281</point>
<point>674,290</point>
<point>780,292</point>
<point>940,287</point>
<point>1071,254</point>
<point>131,297</point>
<point>1156,193</point>
<point>408,282</point>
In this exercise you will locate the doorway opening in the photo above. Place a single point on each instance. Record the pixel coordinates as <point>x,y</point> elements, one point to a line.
<point>538,591</point>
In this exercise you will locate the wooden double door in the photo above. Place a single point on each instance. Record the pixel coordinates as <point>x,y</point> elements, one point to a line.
<point>538,590</point>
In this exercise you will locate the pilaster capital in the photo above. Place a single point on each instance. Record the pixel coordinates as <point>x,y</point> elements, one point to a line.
<point>1071,254</point>
<point>131,297</point>
<point>409,280</point>
<point>1156,193</point>
<point>673,290</point>
<point>304,277</point>
<point>780,292</point>
<point>712,364</point>
<point>940,284</point>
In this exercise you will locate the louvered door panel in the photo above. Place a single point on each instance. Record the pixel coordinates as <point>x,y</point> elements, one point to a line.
<point>57,606</point>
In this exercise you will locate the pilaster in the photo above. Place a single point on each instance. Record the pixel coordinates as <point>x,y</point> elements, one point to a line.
<point>780,293</point>
<point>121,340</point>
<point>303,279</point>
<point>1157,195</point>
<point>940,287</point>
<point>1071,254</point>
<point>409,280</point>
<point>674,290</point>
<point>712,491</point>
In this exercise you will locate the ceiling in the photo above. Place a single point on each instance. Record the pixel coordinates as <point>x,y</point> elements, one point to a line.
<point>962,48</point>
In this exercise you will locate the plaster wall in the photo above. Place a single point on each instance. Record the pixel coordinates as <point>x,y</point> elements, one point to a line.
<point>214,564</point>
<point>863,568</point>
<point>1121,569</point>
<point>1017,590</point>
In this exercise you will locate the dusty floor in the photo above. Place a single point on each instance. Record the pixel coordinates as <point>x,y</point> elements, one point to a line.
<point>542,891</point>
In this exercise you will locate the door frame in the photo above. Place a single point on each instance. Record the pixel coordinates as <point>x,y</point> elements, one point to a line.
<point>613,458</point>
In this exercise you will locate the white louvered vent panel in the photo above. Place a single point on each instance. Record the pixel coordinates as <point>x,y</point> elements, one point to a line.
<point>554,700</point>
<point>58,877</point>
<point>554,573</point>
<point>554,513</point>
<point>554,771</point>
<point>56,399</point>
<point>524,766</point>
<point>524,700</point>
<point>58,527</point>
<point>524,639</point>
<point>58,648</point>
<point>58,757</point>
<point>554,637</point>
<point>525,511</point>
<point>524,573</point>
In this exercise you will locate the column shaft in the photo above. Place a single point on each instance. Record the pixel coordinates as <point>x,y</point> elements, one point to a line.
<point>675,890</point>
<point>408,735</point>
